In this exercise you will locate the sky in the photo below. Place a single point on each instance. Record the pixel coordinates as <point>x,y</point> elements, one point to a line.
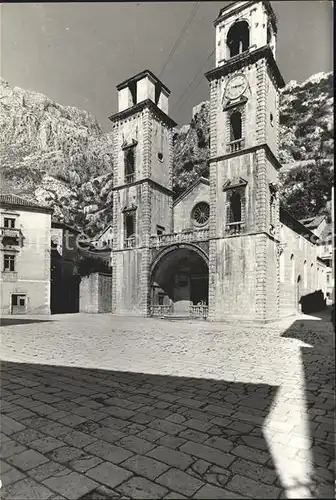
<point>76,53</point>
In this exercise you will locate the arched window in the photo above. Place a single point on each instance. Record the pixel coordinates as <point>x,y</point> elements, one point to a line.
<point>269,34</point>
<point>292,260</point>
<point>305,274</point>
<point>238,39</point>
<point>235,126</point>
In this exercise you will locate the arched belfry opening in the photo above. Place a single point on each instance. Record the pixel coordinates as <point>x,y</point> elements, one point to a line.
<point>238,38</point>
<point>235,126</point>
<point>180,280</point>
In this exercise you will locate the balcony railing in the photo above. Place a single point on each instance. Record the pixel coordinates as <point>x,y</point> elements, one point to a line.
<point>235,146</point>
<point>161,310</point>
<point>129,178</point>
<point>130,242</point>
<point>199,311</point>
<point>11,237</point>
<point>183,237</point>
<point>234,227</point>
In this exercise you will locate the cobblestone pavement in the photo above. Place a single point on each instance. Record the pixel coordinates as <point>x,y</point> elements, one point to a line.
<point>97,407</point>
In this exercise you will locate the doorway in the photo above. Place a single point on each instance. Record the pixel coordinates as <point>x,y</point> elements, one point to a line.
<point>18,303</point>
<point>298,293</point>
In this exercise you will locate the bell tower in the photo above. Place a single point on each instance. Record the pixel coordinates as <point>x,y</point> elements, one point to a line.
<point>142,186</point>
<point>244,142</point>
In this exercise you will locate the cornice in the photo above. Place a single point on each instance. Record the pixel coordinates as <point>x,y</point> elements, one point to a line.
<point>252,149</point>
<point>141,75</point>
<point>151,182</point>
<point>137,108</point>
<point>247,57</point>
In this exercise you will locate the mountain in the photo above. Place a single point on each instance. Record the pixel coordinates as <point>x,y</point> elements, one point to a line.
<point>54,154</point>
<point>59,155</point>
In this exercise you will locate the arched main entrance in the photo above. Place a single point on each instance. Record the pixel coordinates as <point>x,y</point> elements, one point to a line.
<point>180,282</point>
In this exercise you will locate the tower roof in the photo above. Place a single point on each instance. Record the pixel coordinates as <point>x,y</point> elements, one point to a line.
<point>236,6</point>
<point>139,76</point>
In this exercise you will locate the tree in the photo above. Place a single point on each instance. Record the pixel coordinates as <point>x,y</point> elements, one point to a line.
<point>307,189</point>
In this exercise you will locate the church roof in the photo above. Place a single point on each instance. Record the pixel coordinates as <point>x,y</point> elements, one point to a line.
<point>201,180</point>
<point>313,222</point>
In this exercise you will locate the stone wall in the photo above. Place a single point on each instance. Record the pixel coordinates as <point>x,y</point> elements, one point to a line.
<point>96,293</point>
<point>299,274</point>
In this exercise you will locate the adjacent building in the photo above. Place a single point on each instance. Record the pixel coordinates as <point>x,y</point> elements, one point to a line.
<point>25,256</point>
<point>65,254</point>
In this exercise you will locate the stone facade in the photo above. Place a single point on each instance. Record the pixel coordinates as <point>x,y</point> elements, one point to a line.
<point>95,294</point>
<point>220,246</point>
<point>25,256</point>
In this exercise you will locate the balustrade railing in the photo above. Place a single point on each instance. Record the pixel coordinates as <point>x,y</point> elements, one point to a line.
<point>130,242</point>
<point>235,146</point>
<point>129,178</point>
<point>161,310</point>
<point>234,227</point>
<point>199,311</point>
<point>183,237</point>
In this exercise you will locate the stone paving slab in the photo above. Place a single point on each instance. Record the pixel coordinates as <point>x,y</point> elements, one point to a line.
<point>219,413</point>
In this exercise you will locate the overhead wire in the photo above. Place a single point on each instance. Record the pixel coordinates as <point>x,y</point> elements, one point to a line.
<point>199,71</point>
<point>181,36</point>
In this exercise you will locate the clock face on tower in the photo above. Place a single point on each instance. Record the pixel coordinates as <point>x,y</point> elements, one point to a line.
<point>235,87</point>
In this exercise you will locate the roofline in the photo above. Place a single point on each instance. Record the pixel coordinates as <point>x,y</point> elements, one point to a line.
<point>27,208</point>
<point>239,61</point>
<point>139,76</point>
<point>102,232</point>
<point>185,193</point>
<point>223,14</point>
<point>139,107</point>
<point>300,228</point>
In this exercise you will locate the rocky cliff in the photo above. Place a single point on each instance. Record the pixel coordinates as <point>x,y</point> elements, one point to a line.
<point>60,156</point>
<point>55,154</point>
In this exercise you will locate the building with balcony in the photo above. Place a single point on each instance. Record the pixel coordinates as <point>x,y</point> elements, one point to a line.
<point>25,256</point>
<point>224,249</point>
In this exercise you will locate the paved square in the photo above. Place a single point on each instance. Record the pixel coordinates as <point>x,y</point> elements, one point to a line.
<point>97,406</point>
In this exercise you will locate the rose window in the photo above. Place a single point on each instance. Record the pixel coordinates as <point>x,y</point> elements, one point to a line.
<point>201,213</point>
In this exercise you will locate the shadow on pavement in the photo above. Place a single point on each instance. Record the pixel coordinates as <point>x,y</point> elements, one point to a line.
<point>318,366</point>
<point>198,417</point>
<point>217,425</point>
<point>21,321</point>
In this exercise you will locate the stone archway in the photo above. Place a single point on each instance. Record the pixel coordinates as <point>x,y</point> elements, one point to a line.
<point>179,280</point>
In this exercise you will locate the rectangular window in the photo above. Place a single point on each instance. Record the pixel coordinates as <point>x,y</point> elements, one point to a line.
<point>129,162</point>
<point>234,208</point>
<point>160,230</point>
<point>9,263</point>
<point>129,228</point>
<point>9,222</point>
<point>328,278</point>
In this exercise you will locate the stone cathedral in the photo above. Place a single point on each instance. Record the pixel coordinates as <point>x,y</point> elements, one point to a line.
<point>222,250</point>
